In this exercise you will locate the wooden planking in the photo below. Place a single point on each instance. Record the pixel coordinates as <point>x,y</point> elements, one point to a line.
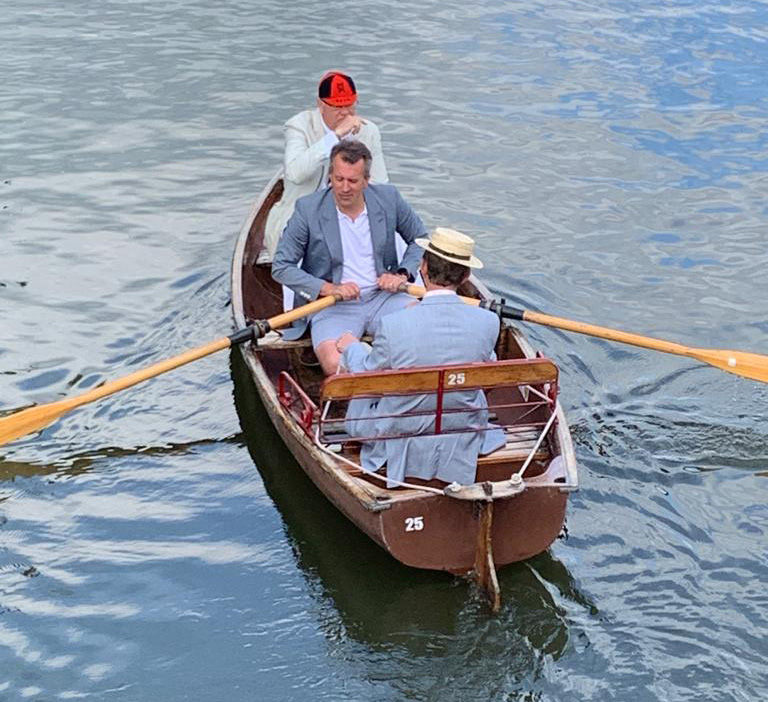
<point>520,443</point>
<point>278,342</point>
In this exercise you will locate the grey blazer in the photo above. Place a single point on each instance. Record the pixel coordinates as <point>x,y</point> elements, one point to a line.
<point>439,330</point>
<point>310,253</point>
<point>305,166</point>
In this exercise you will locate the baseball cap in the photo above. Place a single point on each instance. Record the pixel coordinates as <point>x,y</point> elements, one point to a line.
<point>337,89</point>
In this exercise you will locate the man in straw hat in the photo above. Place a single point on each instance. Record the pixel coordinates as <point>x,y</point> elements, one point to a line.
<point>341,241</point>
<point>309,138</point>
<point>439,330</point>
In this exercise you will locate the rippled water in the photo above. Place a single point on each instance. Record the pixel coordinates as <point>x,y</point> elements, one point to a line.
<point>610,159</point>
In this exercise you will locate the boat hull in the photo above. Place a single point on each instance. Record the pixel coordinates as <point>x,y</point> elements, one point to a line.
<point>420,529</point>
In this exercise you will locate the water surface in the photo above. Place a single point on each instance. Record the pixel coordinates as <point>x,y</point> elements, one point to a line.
<point>610,160</point>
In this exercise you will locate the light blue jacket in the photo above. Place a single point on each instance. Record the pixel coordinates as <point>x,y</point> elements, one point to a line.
<point>439,330</point>
<point>310,253</point>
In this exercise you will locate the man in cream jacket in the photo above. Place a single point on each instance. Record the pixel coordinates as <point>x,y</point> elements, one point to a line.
<point>309,138</point>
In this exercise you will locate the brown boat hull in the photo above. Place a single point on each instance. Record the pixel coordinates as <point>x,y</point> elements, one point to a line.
<point>524,524</point>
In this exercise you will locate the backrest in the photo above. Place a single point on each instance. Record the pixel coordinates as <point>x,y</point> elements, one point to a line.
<point>438,379</point>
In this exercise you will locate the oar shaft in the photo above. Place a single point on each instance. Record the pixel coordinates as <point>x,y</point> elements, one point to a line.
<point>243,335</point>
<point>508,312</point>
<point>743,363</point>
<point>35,418</point>
<point>152,371</point>
<point>646,342</point>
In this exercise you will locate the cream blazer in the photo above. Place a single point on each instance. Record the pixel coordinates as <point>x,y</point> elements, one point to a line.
<point>305,166</point>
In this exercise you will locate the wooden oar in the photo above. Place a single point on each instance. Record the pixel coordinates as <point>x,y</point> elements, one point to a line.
<point>36,418</point>
<point>748,365</point>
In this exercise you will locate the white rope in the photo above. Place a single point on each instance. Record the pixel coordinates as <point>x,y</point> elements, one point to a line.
<point>357,466</point>
<point>425,488</point>
<point>532,389</point>
<point>535,448</point>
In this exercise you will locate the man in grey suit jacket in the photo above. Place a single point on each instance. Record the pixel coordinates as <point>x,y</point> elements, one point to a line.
<point>439,330</point>
<point>309,138</point>
<point>341,241</point>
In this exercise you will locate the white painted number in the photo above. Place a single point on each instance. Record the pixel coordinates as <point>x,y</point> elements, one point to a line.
<point>414,523</point>
<point>456,379</point>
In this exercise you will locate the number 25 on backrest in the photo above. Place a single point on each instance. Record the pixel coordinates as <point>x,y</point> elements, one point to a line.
<point>456,378</point>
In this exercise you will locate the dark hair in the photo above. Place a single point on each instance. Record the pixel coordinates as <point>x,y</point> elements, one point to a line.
<point>351,151</point>
<point>445,273</point>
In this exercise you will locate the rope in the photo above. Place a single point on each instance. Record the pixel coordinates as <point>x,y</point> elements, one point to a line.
<point>343,459</point>
<point>535,448</point>
<point>426,488</point>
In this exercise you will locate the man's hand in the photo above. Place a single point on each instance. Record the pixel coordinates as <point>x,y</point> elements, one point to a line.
<point>345,291</point>
<point>391,282</point>
<point>345,340</point>
<point>351,124</point>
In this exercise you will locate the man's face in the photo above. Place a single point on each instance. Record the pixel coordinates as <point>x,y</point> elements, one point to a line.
<point>332,116</point>
<point>348,182</point>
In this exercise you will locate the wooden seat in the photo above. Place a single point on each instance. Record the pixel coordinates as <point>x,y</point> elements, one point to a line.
<point>278,342</point>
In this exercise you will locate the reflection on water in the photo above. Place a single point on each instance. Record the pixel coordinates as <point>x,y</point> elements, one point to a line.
<point>76,464</point>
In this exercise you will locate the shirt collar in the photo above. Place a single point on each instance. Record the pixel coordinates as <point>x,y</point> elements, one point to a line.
<point>341,215</point>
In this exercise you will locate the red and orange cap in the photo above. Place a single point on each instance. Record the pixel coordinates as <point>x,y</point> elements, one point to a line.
<point>337,89</point>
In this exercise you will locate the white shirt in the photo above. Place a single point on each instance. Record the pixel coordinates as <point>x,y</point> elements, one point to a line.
<point>356,244</point>
<point>435,293</point>
<point>329,139</point>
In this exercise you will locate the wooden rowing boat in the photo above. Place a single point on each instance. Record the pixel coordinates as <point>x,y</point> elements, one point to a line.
<point>516,507</point>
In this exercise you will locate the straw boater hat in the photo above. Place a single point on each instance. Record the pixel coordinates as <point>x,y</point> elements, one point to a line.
<point>453,246</point>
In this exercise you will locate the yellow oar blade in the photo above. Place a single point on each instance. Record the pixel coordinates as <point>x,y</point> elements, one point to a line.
<point>743,363</point>
<point>33,419</point>
<point>748,365</point>
<point>28,421</point>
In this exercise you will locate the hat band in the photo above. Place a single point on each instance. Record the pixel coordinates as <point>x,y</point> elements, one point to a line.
<point>334,102</point>
<point>448,253</point>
